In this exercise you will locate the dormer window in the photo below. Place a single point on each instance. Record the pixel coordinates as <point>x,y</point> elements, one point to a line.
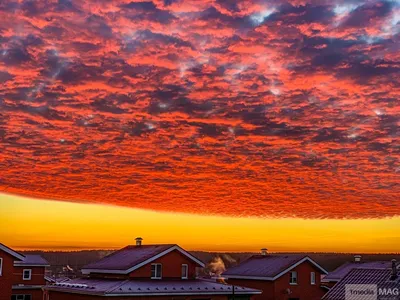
<point>185,271</point>
<point>27,274</point>
<point>156,271</point>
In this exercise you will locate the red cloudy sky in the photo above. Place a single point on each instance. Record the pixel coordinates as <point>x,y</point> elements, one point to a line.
<point>227,107</point>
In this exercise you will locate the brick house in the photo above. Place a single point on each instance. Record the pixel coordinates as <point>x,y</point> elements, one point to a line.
<point>339,273</point>
<point>145,271</point>
<point>369,283</point>
<point>280,277</point>
<point>21,276</point>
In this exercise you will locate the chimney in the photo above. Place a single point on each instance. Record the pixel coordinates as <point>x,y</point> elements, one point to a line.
<point>357,258</point>
<point>138,241</point>
<point>394,270</point>
<point>264,251</point>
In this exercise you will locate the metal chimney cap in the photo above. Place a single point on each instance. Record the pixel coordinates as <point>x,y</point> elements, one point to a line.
<point>138,241</point>
<point>264,251</point>
<point>357,258</point>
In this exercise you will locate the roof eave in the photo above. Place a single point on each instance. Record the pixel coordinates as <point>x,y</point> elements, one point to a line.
<point>105,294</point>
<point>329,280</point>
<point>11,252</point>
<point>17,264</point>
<point>248,277</point>
<point>183,294</point>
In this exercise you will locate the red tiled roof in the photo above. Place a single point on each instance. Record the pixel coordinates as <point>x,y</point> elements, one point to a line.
<point>380,277</point>
<point>131,256</point>
<point>267,266</point>
<point>107,287</point>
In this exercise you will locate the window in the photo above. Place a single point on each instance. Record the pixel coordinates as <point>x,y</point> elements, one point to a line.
<point>293,277</point>
<point>21,297</point>
<point>184,271</point>
<point>1,266</point>
<point>26,275</point>
<point>156,271</point>
<point>312,278</point>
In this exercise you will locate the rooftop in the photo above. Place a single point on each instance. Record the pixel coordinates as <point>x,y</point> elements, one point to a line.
<point>25,260</point>
<point>133,256</point>
<point>344,269</point>
<point>267,266</point>
<point>381,277</point>
<point>33,260</point>
<point>107,287</point>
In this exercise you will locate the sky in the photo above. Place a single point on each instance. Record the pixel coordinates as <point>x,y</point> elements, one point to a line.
<point>247,110</point>
<point>27,224</point>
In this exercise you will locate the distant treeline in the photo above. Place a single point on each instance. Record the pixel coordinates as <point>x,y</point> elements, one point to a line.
<point>216,261</point>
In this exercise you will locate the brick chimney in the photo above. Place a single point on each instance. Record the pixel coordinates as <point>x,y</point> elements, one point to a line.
<point>264,251</point>
<point>138,241</point>
<point>357,258</point>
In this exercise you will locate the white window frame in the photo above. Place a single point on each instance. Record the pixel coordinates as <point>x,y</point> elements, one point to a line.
<point>30,274</point>
<point>312,278</point>
<point>157,276</point>
<point>22,296</point>
<point>293,275</point>
<point>1,266</point>
<point>186,274</point>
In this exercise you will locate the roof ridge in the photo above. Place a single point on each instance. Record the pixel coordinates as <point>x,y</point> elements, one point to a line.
<point>11,251</point>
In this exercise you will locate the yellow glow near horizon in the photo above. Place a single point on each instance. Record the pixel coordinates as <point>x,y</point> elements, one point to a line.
<point>43,224</point>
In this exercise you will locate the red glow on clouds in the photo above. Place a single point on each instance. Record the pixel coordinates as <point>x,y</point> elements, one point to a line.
<point>247,108</point>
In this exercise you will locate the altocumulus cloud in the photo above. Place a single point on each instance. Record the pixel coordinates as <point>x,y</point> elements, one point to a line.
<point>240,108</point>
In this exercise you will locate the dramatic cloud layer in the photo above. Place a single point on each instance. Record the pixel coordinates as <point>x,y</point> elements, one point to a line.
<point>251,108</point>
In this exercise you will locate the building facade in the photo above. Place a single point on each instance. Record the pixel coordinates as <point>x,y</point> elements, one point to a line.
<point>146,271</point>
<point>21,276</point>
<point>368,283</point>
<point>340,272</point>
<point>280,277</point>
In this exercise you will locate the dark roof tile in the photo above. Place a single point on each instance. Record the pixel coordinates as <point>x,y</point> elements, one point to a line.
<point>35,260</point>
<point>143,287</point>
<point>380,277</point>
<point>264,265</point>
<point>344,269</point>
<point>127,257</point>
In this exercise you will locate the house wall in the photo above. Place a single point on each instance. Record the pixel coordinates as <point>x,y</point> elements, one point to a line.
<point>277,290</point>
<point>266,286</point>
<point>304,289</point>
<point>66,296</point>
<point>37,277</point>
<point>13,276</point>
<point>171,266</point>
<point>6,279</point>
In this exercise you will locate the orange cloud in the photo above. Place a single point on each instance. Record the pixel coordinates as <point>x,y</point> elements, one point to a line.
<point>235,108</point>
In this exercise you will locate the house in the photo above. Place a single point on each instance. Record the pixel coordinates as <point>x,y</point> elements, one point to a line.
<point>21,276</point>
<point>367,283</point>
<point>339,273</point>
<point>150,271</point>
<point>280,277</point>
